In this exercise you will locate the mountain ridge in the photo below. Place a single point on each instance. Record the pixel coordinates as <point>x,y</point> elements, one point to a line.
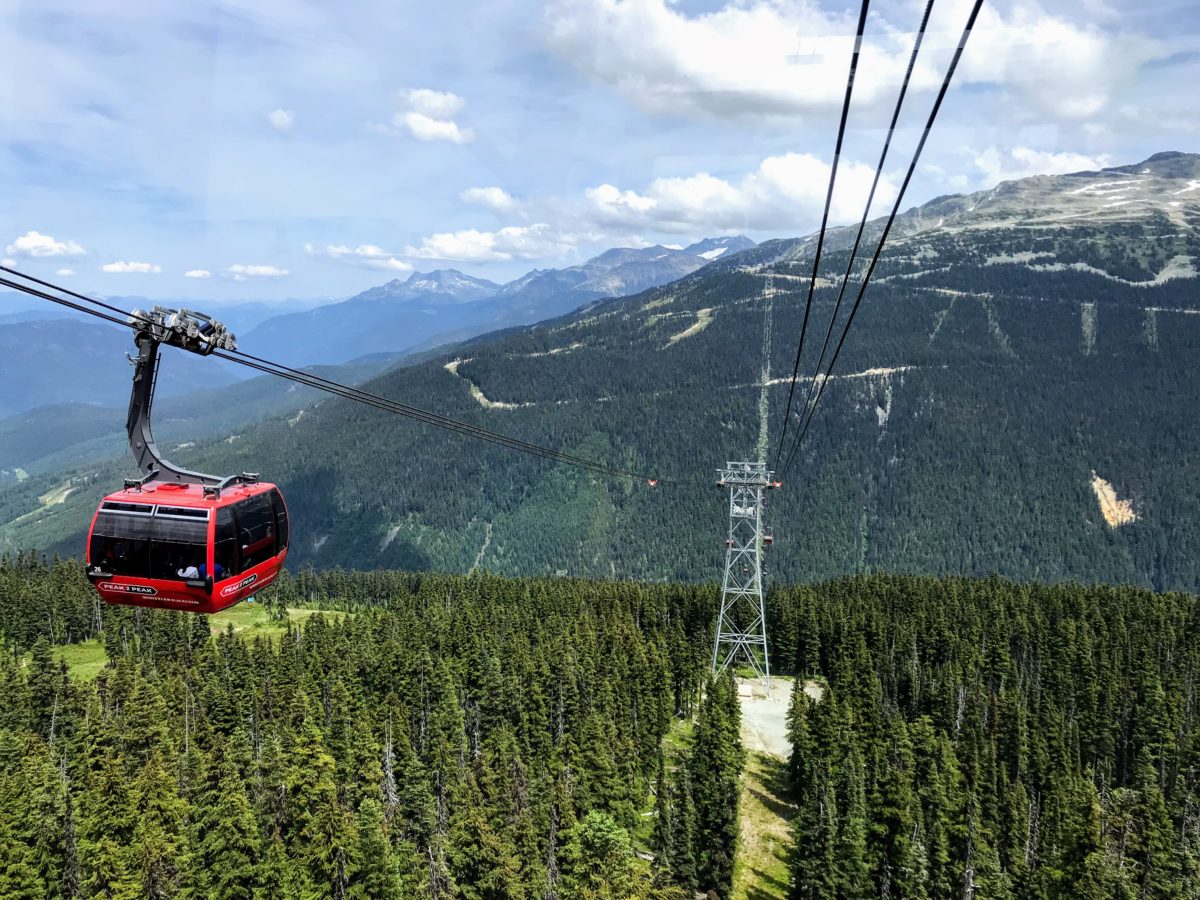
<point>399,316</point>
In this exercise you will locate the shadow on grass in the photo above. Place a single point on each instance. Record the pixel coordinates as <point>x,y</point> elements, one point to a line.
<point>778,807</point>
<point>763,881</point>
<point>768,873</point>
<point>774,778</point>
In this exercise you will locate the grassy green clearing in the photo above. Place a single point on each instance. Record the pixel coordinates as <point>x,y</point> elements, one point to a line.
<point>252,620</point>
<point>764,839</point>
<point>86,659</point>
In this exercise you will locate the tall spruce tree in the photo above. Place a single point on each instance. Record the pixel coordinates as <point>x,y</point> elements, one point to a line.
<point>716,766</point>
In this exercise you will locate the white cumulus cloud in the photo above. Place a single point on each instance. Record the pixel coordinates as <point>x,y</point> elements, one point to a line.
<point>435,104</point>
<point>427,115</point>
<point>241,272</point>
<point>998,165</point>
<point>367,256</point>
<point>512,242</point>
<point>33,244</point>
<point>65,273</point>
<point>776,58</point>
<point>197,273</point>
<point>423,128</point>
<point>494,198</point>
<point>785,192</point>
<point>131,268</point>
<point>8,262</point>
<point>281,119</point>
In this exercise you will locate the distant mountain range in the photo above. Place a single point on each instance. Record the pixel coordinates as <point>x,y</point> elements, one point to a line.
<point>430,308</point>
<point>50,438</point>
<point>240,316</point>
<point>50,355</point>
<point>75,360</point>
<point>1017,396</point>
<point>65,360</point>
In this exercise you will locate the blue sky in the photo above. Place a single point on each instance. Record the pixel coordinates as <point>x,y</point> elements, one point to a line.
<point>289,149</point>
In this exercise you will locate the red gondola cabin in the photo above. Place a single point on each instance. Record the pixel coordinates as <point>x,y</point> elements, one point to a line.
<point>182,546</point>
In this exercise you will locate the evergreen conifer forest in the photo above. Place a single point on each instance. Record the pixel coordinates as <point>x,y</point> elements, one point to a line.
<point>478,736</point>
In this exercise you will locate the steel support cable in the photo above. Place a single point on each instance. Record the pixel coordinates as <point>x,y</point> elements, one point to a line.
<point>382,403</point>
<point>70,293</point>
<point>322,383</point>
<point>837,152</point>
<point>937,105</point>
<point>887,143</point>
<point>25,289</point>
<point>435,419</point>
<point>327,385</point>
<point>310,379</point>
<point>464,428</point>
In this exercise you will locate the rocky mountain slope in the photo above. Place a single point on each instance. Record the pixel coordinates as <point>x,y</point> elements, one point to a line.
<point>1017,396</point>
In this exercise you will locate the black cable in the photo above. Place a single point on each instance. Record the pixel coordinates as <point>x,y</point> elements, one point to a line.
<point>332,387</point>
<point>70,293</point>
<point>36,293</point>
<point>837,152</point>
<point>279,369</point>
<point>464,428</point>
<point>887,143</point>
<point>887,228</point>
<point>283,371</point>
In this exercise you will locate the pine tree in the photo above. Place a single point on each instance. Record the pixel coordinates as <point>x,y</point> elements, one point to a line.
<point>224,854</point>
<point>19,877</point>
<point>663,840</point>
<point>815,837</point>
<point>147,727</point>
<point>598,860</point>
<point>31,792</point>
<point>683,856</point>
<point>45,682</point>
<point>1154,846</point>
<point>853,867</point>
<point>158,835</point>
<point>282,878</point>
<point>414,826</point>
<point>716,766</point>
<point>108,816</point>
<point>317,834</point>
<point>373,871</point>
<point>803,747</point>
<point>895,836</point>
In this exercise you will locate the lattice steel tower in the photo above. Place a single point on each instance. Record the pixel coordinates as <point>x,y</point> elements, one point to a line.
<point>742,623</point>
